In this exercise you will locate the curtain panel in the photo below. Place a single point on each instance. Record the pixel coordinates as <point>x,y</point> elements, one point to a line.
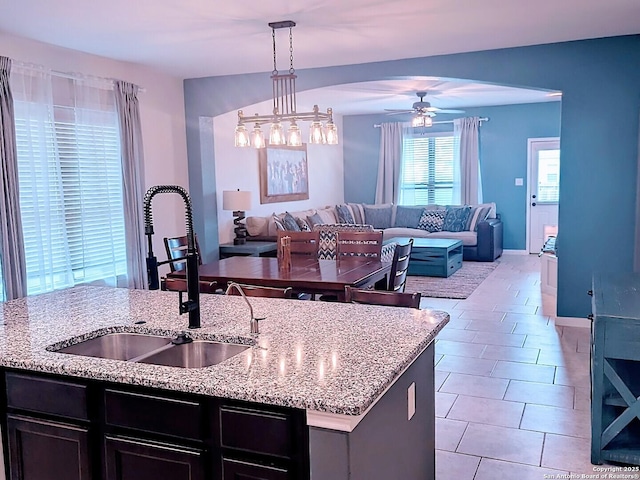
<point>389,163</point>
<point>467,180</point>
<point>12,254</point>
<point>132,180</point>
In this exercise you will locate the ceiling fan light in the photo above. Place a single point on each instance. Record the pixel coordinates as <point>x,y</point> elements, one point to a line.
<point>428,121</point>
<point>241,136</point>
<point>276,134</point>
<point>294,136</point>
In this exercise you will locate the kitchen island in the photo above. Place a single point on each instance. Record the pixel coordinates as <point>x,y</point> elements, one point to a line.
<point>324,391</point>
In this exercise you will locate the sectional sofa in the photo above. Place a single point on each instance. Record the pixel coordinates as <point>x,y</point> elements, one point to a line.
<point>477,226</point>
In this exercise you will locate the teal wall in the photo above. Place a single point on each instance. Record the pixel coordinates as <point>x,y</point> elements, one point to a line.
<point>503,153</point>
<point>600,81</point>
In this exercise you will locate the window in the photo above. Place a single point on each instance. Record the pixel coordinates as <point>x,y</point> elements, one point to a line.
<point>427,169</point>
<point>548,176</point>
<point>70,178</point>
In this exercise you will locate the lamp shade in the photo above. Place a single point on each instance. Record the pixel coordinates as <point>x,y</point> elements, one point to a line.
<point>236,200</point>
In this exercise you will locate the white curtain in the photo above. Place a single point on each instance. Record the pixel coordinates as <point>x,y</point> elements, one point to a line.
<point>467,182</point>
<point>70,180</point>
<point>389,163</point>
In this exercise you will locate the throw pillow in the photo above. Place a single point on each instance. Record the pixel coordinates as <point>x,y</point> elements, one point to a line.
<point>314,220</point>
<point>378,215</point>
<point>328,215</point>
<point>290,223</point>
<point>278,221</point>
<point>302,223</point>
<point>358,212</point>
<point>431,220</point>
<point>455,220</point>
<point>478,214</point>
<point>408,217</point>
<point>344,214</point>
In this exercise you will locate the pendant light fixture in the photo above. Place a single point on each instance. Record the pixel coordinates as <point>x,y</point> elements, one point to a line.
<point>284,110</point>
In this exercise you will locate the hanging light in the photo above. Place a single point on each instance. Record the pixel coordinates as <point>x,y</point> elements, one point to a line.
<point>284,109</point>
<point>257,137</point>
<point>422,120</point>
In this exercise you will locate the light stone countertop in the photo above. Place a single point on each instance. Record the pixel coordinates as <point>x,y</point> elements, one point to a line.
<point>320,356</point>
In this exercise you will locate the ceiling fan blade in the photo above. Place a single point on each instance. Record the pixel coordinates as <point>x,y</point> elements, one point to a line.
<point>444,110</point>
<point>399,112</point>
<point>393,110</point>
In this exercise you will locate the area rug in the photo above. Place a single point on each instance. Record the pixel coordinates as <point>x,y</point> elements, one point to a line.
<point>459,285</point>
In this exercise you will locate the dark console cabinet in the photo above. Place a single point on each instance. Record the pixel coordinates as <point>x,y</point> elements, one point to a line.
<point>59,427</point>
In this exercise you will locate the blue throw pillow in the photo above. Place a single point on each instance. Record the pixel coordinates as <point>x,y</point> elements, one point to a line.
<point>408,217</point>
<point>455,220</point>
<point>290,223</point>
<point>314,220</point>
<point>344,214</point>
<point>378,215</point>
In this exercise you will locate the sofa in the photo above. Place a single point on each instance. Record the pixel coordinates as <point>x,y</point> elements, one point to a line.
<point>477,226</point>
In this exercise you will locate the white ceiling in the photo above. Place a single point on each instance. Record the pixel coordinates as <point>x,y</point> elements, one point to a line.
<point>196,38</point>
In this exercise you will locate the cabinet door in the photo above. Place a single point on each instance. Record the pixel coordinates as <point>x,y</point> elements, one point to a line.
<point>240,470</point>
<point>44,450</point>
<point>133,459</point>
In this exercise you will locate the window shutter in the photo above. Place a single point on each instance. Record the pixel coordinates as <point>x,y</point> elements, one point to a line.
<point>427,170</point>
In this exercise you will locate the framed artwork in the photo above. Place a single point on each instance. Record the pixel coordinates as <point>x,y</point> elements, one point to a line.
<point>284,176</point>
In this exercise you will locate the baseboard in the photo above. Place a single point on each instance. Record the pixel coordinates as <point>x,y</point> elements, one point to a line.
<point>573,322</point>
<point>515,252</point>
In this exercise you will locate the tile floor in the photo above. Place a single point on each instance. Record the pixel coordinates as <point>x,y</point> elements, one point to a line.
<point>512,388</point>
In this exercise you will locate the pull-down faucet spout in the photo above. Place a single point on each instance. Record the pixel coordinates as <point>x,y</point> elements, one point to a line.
<point>192,304</point>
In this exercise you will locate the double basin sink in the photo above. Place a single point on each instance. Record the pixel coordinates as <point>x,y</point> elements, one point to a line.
<point>155,349</point>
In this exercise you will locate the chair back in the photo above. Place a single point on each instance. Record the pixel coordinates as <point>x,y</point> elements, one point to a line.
<point>180,285</point>
<point>399,267</point>
<point>363,244</point>
<point>176,248</point>
<point>259,291</point>
<point>302,243</point>
<point>378,297</point>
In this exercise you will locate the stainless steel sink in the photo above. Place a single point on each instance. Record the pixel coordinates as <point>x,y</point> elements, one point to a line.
<point>118,346</point>
<point>196,354</point>
<point>155,349</point>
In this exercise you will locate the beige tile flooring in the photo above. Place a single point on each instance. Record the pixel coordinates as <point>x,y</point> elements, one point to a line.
<point>512,388</point>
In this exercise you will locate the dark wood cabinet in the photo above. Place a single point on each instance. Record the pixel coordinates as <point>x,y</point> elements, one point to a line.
<point>47,450</point>
<point>62,428</point>
<point>233,469</point>
<point>136,459</point>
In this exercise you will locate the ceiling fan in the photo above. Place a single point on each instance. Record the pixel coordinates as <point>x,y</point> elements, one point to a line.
<point>422,108</point>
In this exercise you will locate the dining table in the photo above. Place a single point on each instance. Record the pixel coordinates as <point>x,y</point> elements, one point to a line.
<point>304,275</point>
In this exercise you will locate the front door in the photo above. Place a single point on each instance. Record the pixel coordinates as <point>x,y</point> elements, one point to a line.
<point>543,190</point>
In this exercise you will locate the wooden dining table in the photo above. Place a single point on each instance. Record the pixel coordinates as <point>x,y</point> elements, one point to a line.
<point>305,275</point>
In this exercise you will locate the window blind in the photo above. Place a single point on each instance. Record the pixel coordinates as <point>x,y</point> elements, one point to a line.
<point>427,170</point>
<point>70,189</point>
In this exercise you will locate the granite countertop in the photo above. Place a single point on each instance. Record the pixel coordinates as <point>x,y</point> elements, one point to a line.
<point>320,356</point>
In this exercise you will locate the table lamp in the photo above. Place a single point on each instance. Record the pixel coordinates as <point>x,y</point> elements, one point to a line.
<point>238,202</point>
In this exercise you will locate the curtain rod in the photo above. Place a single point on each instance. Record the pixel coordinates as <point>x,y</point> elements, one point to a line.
<point>71,75</point>
<point>482,119</point>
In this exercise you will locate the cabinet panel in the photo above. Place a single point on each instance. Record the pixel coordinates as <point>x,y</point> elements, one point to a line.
<point>133,459</point>
<point>256,431</point>
<point>43,450</point>
<point>241,470</point>
<point>151,413</point>
<point>63,398</point>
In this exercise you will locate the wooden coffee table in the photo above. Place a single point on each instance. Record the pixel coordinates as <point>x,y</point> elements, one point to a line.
<point>433,257</point>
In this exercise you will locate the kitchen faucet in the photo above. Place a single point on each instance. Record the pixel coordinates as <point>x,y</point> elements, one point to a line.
<point>192,304</point>
<point>253,322</point>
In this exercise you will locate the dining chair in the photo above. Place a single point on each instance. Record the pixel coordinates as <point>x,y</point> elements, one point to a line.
<point>366,244</point>
<point>259,291</point>
<point>302,243</point>
<point>176,248</point>
<point>399,267</point>
<point>378,297</point>
<point>180,285</point>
